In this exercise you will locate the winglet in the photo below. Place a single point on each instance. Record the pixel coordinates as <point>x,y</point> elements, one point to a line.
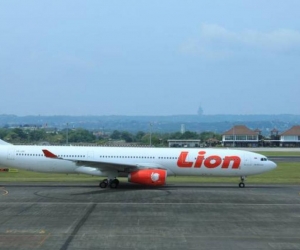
<point>48,154</point>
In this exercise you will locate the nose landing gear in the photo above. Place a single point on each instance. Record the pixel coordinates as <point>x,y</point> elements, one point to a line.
<point>242,184</point>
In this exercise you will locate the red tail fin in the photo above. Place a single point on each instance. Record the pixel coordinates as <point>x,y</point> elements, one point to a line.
<point>48,154</point>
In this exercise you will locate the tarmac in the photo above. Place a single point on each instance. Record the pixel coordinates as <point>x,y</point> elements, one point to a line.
<point>185,216</point>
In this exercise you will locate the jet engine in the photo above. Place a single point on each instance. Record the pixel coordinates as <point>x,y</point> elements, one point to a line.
<point>153,177</point>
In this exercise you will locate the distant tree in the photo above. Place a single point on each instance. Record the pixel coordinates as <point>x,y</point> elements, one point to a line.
<point>3,132</point>
<point>56,138</point>
<point>116,135</point>
<point>37,135</point>
<point>185,135</point>
<point>81,135</point>
<point>155,139</point>
<point>189,135</point>
<point>12,137</point>
<point>15,135</point>
<point>204,136</point>
<point>126,136</point>
<point>21,134</point>
<point>176,135</point>
<point>139,135</point>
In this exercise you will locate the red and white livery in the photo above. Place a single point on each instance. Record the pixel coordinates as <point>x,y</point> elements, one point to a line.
<point>149,166</point>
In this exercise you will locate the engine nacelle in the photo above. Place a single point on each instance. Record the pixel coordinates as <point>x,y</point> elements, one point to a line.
<point>153,177</point>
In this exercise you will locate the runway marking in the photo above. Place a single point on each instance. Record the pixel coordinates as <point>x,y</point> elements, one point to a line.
<point>65,246</point>
<point>5,192</point>
<point>43,240</point>
<point>35,232</point>
<point>28,233</point>
<point>148,203</point>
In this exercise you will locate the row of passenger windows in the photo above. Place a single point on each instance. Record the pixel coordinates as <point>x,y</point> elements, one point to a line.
<point>19,154</point>
<point>69,156</point>
<point>136,157</point>
<point>101,156</point>
<point>175,158</point>
<point>40,155</point>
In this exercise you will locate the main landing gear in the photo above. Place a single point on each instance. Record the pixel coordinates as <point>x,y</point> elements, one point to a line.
<point>112,183</point>
<point>242,184</point>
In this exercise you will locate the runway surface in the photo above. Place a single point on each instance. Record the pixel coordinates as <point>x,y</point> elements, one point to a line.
<point>204,216</point>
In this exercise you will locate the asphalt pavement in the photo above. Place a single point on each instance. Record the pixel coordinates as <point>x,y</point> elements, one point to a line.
<point>185,216</point>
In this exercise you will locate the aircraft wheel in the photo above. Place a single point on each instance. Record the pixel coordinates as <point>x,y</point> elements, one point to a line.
<point>241,184</point>
<point>103,184</point>
<point>114,183</point>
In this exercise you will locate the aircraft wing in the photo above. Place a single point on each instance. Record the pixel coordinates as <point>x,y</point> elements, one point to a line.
<point>105,166</point>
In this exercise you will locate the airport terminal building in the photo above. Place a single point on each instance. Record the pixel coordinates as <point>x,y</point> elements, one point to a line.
<point>291,137</point>
<point>241,136</point>
<point>176,143</point>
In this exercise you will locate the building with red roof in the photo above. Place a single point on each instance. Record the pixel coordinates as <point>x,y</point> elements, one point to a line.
<point>290,137</point>
<point>240,136</point>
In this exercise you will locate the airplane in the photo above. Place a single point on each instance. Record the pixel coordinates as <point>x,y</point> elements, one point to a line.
<point>142,165</point>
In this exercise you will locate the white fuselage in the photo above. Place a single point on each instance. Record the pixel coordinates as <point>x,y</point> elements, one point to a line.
<point>103,160</point>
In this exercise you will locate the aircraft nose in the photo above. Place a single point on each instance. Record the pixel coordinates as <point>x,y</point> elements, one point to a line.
<point>272,165</point>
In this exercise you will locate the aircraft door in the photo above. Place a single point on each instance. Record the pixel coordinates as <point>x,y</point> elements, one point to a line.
<point>11,154</point>
<point>247,160</point>
<point>90,155</point>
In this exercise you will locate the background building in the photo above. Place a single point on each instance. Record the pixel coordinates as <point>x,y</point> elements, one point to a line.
<point>193,143</point>
<point>240,136</point>
<point>291,137</point>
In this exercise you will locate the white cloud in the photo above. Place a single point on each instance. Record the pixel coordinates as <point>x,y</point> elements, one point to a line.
<point>216,42</point>
<point>280,40</point>
<point>215,32</point>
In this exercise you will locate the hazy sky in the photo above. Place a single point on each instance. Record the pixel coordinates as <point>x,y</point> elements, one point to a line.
<point>153,57</point>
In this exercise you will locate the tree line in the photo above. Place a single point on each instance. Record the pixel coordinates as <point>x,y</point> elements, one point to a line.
<point>80,135</point>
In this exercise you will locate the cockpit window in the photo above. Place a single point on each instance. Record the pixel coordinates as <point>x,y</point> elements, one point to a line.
<point>263,159</point>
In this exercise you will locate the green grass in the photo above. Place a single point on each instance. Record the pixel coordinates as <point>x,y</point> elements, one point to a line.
<point>285,173</point>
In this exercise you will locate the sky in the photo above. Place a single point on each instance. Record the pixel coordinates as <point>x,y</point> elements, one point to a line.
<point>158,57</point>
